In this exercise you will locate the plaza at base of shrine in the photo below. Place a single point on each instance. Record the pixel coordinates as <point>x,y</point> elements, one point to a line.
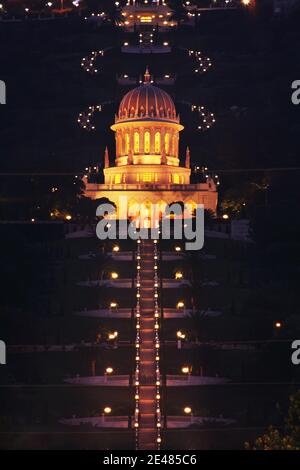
<point>148,13</point>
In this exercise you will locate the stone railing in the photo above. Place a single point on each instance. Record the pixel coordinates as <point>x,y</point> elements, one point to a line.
<point>149,187</point>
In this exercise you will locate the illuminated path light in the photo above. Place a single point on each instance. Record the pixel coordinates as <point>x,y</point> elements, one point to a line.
<point>85,117</point>
<point>206,118</point>
<point>88,62</point>
<point>202,63</point>
<point>137,349</point>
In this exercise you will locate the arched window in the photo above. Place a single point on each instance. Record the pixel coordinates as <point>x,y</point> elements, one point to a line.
<point>157,142</point>
<point>147,142</point>
<point>167,143</point>
<point>117,179</point>
<point>126,144</point>
<point>174,145</point>
<point>136,142</point>
<point>176,179</point>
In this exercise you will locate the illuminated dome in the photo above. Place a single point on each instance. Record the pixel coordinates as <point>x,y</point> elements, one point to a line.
<point>147,167</point>
<point>147,102</point>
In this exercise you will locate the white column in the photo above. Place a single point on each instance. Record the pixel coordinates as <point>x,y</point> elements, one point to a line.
<point>141,132</point>
<point>162,146</point>
<point>152,137</point>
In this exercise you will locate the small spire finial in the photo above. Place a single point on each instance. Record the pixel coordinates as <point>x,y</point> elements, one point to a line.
<point>187,158</point>
<point>106,158</point>
<point>147,76</point>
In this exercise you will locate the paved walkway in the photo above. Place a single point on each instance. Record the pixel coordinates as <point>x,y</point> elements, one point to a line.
<point>147,427</point>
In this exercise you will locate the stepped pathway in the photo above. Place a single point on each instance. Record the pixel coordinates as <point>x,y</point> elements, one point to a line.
<point>147,39</point>
<point>147,426</point>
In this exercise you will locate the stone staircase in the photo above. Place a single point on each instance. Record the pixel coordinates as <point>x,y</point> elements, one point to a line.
<point>147,425</point>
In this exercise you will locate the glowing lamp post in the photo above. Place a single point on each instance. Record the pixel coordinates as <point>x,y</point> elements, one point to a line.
<point>180,337</point>
<point>178,275</point>
<point>277,327</point>
<point>180,305</point>
<point>108,371</point>
<point>186,370</point>
<point>189,412</point>
<point>113,337</point>
<point>106,411</point>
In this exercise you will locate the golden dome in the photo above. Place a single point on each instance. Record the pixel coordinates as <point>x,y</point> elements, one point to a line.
<point>147,102</point>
